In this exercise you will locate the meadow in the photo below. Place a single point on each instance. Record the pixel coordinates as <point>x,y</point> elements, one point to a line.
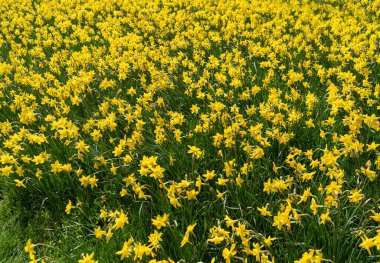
<point>167,131</point>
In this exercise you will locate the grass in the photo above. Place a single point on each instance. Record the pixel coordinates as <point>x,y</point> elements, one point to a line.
<point>11,235</point>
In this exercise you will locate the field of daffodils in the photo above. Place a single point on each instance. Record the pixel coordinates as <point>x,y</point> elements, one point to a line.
<point>166,131</point>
